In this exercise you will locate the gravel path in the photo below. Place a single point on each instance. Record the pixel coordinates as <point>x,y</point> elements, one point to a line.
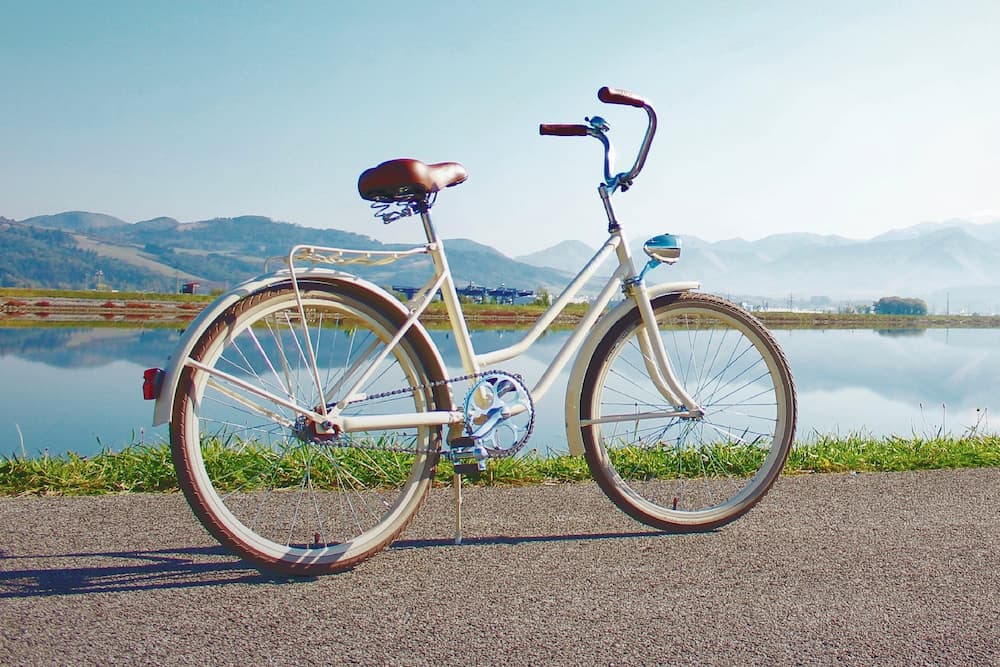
<point>829,569</point>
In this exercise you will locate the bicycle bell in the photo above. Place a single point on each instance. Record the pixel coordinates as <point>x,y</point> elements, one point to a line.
<point>665,248</point>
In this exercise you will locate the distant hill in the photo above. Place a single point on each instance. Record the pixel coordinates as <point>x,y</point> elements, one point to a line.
<point>160,223</point>
<point>158,253</point>
<point>566,256</point>
<point>76,221</point>
<point>919,265</point>
<point>987,229</point>
<point>39,257</point>
<point>481,264</point>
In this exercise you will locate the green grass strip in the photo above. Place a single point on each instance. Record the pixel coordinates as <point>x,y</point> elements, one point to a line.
<point>136,468</point>
<point>149,468</point>
<point>861,453</point>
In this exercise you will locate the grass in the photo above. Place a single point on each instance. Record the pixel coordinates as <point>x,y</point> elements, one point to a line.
<point>148,468</point>
<point>858,453</point>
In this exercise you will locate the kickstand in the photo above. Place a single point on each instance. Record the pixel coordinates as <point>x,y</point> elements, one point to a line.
<point>457,484</point>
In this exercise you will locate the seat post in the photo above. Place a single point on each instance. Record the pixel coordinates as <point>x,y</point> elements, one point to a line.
<point>425,219</point>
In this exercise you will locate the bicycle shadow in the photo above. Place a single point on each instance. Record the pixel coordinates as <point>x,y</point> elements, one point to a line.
<point>156,570</point>
<point>491,540</point>
<point>181,567</point>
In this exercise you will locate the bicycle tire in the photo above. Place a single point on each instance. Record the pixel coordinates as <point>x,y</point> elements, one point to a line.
<point>268,488</point>
<point>678,474</point>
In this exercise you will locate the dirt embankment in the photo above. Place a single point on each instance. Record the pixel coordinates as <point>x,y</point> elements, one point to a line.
<point>56,309</point>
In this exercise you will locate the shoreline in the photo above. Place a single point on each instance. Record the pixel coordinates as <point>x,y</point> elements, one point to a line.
<point>25,307</point>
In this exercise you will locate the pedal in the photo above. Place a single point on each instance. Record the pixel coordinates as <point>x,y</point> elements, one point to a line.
<point>466,468</point>
<point>467,455</point>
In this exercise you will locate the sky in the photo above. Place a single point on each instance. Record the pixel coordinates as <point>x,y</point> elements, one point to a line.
<point>847,118</point>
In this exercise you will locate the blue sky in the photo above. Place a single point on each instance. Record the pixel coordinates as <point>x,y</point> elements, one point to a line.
<point>846,118</point>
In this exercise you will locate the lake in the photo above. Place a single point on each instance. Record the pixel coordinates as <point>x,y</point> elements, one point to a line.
<point>79,388</point>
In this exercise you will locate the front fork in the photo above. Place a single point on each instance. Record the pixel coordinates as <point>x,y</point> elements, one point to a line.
<point>654,355</point>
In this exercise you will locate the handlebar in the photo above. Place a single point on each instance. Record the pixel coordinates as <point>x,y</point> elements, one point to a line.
<point>559,130</point>
<point>598,129</point>
<point>618,96</point>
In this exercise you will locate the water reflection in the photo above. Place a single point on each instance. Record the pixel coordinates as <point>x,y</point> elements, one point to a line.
<point>76,347</point>
<point>864,380</point>
<point>896,333</point>
<point>79,387</point>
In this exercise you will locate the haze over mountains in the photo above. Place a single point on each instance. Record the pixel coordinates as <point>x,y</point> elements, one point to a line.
<point>953,265</point>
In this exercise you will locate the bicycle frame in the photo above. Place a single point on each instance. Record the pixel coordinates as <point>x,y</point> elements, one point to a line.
<point>656,359</point>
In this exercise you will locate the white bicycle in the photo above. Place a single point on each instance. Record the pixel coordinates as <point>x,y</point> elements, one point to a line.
<point>309,408</point>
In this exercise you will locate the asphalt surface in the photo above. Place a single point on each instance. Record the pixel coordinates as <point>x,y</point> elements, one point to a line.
<point>829,569</point>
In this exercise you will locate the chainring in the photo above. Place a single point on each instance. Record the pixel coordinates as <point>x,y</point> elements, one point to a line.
<point>490,408</point>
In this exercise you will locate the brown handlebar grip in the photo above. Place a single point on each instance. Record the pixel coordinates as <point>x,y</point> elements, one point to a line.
<point>560,130</point>
<point>616,96</point>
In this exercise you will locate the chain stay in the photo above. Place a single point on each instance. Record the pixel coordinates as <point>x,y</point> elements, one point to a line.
<point>341,442</point>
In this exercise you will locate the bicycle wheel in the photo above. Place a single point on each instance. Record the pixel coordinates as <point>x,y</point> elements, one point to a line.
<point>689,474</point>
<point>261,478</point>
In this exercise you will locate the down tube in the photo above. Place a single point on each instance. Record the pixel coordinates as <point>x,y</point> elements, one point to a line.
<point>490,358</point>
<point>400,420</point>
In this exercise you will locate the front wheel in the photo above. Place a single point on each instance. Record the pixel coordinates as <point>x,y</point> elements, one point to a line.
<point>686,473</point>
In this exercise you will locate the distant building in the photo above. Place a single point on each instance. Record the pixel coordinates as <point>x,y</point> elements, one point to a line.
<point>479,294</point>
<point>190,288</point>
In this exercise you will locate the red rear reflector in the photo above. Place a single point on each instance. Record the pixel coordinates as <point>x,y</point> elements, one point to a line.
<point>152,380</point>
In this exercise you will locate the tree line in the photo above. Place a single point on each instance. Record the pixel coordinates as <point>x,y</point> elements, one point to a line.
<point>898,305</point>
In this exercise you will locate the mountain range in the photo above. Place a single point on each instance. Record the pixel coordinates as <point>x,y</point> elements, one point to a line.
<point>67,250</point>
<point>954,265</point>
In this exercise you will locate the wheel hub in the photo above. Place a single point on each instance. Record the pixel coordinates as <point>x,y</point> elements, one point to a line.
<point>308,430</point>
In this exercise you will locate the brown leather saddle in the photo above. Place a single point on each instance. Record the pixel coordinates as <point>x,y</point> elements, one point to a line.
<point>406,179</point>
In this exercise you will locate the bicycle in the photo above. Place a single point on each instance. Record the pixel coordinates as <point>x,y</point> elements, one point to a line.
<point>309,408</point>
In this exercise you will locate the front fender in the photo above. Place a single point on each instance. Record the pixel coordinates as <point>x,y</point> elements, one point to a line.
<point>194,331</point>
<point>575,385</point>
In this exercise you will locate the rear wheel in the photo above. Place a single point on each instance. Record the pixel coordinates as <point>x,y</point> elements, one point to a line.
<point>267,482</point>
<point>680,473</point>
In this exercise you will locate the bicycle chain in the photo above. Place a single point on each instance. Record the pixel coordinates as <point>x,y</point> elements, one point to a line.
<point>429,385</point>
<point>341,443</point>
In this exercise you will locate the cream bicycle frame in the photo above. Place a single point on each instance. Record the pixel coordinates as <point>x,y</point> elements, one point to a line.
<point>657,362</point>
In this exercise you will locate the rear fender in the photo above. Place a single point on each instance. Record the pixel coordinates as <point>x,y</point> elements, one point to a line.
<point>175,364</point>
